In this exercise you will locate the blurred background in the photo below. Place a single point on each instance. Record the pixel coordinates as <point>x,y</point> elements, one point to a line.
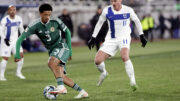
<point>160,18</point>
<point>157,66</point>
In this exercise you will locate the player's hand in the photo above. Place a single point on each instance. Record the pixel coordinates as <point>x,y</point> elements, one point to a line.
<point>7,42</point>
<point>70,58</point>
<point>143,40</point>
<point>91,42</point>
<point>16,60</point>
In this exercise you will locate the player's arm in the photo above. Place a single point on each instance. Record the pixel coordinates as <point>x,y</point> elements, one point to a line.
<point>21,28</point>
<point>3,25</point>
<point>68,39</point>
<point>97,28</point>
<point>25,34</point>
<point>1,30</point>
<point>64,28</point>
<point>139,27</point>
<point>18,44</point>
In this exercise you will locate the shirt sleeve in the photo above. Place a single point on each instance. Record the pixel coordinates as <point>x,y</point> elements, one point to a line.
<point>68,38</point>
<point>133,15</point>
<point>137,22</point>
<point>100,22</point>
<point>3,28</point>
<point>29,31</point>
<point>21,28</point>
<point>62,26</point>
<point>0,31</point>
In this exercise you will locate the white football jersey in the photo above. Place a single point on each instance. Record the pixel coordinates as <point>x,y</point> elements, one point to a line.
<point>118,21</point>
<point>9,28</point>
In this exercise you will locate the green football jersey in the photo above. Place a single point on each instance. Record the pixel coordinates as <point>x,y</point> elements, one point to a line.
<point>49,33</point>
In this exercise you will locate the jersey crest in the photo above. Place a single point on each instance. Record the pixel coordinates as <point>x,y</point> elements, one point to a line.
<point>52,29</point>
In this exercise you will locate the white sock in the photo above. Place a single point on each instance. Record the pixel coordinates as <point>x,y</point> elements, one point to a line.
<point>19,66</point>
<point>60,86</point>
<point>3,67</point>
<point>130,72</point>
<point>101,67</point>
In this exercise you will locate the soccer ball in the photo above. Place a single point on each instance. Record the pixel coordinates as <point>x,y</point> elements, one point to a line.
<point>46,93</point>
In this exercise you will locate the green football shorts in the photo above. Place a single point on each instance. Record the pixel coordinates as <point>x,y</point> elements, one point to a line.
<point>61,53</point>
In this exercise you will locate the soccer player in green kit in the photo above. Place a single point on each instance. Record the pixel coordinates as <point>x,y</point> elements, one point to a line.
<point>48,30</point>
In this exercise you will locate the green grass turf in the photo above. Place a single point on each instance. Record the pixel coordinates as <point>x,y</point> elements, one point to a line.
<point>157,70</point>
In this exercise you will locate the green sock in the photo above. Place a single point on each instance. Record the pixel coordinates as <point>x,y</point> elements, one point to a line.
<point>77,88</point>
<point>59,81</point>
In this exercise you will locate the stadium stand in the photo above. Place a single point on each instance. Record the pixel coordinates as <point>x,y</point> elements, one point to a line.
<point>82,10</point>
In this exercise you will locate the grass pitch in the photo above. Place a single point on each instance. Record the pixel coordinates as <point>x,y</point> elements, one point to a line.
<point>157,71</point>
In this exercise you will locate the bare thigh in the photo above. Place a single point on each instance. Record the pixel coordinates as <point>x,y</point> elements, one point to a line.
<point>54,66</point>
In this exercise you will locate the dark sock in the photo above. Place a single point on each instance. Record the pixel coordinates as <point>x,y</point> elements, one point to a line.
<point>77,88</point>
<point>59,81</point>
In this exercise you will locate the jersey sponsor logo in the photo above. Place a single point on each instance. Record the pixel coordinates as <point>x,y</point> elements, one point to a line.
<point>52,29</point>
<point>40,31</point>
<point>125,15</point>
<point>46,32</point>
<point>18,23</point>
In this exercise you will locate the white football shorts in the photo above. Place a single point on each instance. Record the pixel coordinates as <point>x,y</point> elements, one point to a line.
<point>111,46</point>
<point>6,51</point>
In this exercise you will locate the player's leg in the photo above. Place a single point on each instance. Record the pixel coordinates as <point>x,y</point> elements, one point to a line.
<point>5,54</point>
<point>62,79</point>
<point>56,56</point>
<point>99,61</point>
<point>19,64</point>
<point>69,82</point>
<point>128,67</point>
<point>19,67</point>
<point>109,48</point>
<point>58,73</point>
<point>3,68</point>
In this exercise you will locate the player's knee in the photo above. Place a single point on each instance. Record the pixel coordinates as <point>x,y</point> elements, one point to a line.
<point>124,58</point>
<point>97,61</point>
<point>50,64</point>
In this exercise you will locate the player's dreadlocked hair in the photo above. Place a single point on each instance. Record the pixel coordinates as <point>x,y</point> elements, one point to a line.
<point>45,7</point>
